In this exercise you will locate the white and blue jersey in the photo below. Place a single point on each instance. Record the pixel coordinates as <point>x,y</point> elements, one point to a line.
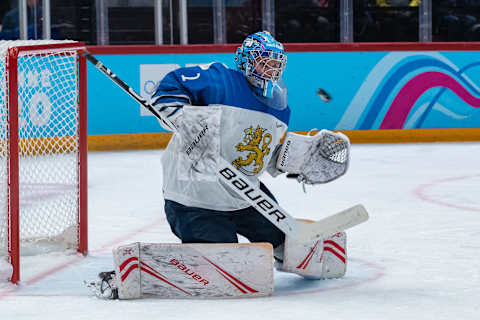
<point>217,115</point>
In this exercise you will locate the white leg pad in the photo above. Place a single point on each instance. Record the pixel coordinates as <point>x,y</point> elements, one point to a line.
<point>194,270</point>
<point>323,259</point>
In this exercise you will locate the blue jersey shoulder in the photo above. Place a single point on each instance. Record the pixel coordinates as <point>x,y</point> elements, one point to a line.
<point>214,83</point>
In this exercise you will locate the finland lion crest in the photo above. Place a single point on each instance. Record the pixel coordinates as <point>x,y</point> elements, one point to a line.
<point>256,142</point>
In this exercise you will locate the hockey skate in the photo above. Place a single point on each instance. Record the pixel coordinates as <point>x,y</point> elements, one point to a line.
<point>104,287</point>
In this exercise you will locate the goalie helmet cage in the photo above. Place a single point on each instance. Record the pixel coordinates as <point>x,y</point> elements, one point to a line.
<point>43,149</point>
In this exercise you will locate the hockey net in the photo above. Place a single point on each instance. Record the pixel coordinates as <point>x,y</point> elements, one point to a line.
<point>42,149</point>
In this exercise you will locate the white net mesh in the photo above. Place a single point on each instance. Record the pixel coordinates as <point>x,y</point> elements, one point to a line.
<point>48,125</point>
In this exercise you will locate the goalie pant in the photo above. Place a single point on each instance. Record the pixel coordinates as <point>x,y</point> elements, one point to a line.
<point>200,225</point>
<point>221,270</point>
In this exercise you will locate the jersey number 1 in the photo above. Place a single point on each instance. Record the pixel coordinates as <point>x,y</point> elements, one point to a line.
<point>195,77</point>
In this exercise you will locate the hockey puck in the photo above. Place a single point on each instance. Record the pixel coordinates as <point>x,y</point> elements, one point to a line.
<point>324,95</point>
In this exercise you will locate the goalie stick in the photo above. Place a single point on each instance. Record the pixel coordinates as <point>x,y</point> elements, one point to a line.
<point>280,218</point>
<point>249,191</point>
<point>129,90</point>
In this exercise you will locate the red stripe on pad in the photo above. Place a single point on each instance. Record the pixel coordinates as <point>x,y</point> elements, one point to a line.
<point>124,263</point>
<point>164,280</point>
<point>335,253</point>
<point>336,245</point>
<point>307,259</point>
<point>233,283</point>
<point>127,273</point>
<point>231,277</point>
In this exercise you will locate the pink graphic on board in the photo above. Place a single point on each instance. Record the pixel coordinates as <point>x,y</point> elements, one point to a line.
<point>414,88</point>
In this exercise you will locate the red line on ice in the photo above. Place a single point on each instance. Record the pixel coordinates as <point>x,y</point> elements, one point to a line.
<point>377,274</point>
<point>421,191</point>
<point>13,290</point>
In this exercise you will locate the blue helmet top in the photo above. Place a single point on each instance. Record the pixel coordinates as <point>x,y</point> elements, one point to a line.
<point>262,60</point>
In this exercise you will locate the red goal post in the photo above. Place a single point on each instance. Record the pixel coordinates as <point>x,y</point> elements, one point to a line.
<point>43,149</point>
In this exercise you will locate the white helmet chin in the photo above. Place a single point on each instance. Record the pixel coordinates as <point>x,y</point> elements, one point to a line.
<point>261,86</point>
<point>276,97</point>
<point>268,88</point>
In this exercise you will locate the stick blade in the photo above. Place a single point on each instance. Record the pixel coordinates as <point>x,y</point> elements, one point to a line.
<point>330,225</point>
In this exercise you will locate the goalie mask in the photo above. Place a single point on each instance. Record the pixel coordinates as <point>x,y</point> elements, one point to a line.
<point>262,60</point>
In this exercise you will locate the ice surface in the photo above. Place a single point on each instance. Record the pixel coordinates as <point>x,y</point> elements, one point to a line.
<point>416,258</point>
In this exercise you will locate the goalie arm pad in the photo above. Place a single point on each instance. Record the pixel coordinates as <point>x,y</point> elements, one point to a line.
<point>314,159</point>
<point>170,107</point>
